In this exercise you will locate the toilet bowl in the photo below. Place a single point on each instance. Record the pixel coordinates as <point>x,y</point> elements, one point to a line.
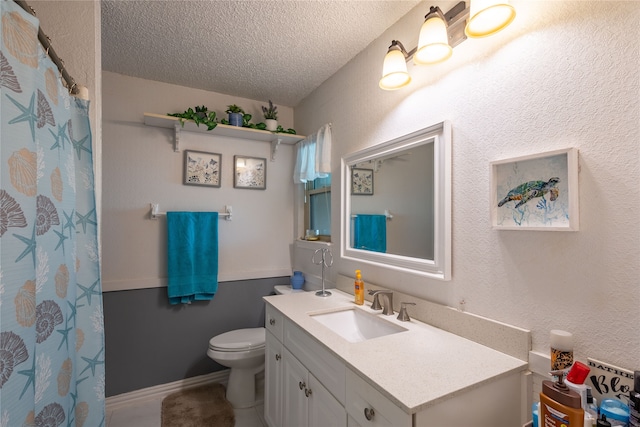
<point>241,350</point>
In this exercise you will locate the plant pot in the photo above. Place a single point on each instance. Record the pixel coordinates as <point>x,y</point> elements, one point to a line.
<point>272,124</point>
<point>235,119</point>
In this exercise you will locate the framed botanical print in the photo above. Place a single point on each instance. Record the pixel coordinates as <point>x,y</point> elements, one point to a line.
<point>202,168</point>
<point>362,181</point>
<point>250,172</point>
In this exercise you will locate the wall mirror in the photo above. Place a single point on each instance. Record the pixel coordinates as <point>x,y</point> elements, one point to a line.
<point>396,203</point>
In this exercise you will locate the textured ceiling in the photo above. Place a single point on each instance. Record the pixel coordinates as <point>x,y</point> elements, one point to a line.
<point>278,50</point>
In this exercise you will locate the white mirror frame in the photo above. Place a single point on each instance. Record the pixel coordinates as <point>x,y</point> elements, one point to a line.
<point>440,266</point>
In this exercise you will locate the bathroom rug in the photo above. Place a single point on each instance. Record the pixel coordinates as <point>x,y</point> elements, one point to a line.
<point>197,407</point>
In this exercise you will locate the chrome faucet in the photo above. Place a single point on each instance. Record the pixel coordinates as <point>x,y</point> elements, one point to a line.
<point>387,304</point>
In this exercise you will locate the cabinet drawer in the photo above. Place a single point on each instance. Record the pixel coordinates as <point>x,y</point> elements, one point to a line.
<point>274,321</point>
<point>317,359</point>
<point>362,396</point>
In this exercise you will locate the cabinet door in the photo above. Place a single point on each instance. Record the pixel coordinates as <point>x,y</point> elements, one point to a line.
<point>273,381</point>
<point>324,409</point>
<point>294,384</point>
<point>368,407</point>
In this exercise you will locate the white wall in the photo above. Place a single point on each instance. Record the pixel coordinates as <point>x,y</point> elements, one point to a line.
<point>565,74</point>
<point>140,167</point>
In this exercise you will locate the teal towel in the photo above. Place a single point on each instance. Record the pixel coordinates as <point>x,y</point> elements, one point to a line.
<point>370,232</point>
<point>192,243</point>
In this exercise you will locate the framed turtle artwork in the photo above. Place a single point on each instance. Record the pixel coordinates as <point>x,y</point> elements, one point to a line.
<point>536,192</point>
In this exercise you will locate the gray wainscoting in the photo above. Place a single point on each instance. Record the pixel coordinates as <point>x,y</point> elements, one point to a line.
<point>149,342</point>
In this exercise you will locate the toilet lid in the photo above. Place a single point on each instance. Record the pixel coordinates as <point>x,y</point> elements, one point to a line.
<point>240,339</point>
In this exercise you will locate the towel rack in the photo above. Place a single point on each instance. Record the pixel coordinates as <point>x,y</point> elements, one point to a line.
<point>387,213</point>
<point>154,214</point>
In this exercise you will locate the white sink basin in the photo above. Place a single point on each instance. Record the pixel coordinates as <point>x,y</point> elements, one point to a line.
<point>356,325</point>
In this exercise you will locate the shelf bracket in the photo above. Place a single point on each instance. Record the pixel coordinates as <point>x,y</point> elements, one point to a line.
<point>176,141</point>
<point>275,144</point>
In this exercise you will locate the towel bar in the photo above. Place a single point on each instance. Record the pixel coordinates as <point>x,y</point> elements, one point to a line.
<point>387,214</point>
<point>154,214</point>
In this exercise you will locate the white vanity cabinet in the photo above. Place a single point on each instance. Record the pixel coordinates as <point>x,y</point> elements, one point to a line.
<point>294,396</point>
<point>421,377</point>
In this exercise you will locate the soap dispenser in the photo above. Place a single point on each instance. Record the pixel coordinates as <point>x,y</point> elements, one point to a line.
<point>559,405</point>
<point>358,288</point>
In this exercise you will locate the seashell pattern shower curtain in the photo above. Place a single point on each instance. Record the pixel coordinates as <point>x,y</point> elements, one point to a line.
<point>51,322</point>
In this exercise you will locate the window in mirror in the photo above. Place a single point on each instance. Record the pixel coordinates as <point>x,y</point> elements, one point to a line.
<point>317,207</point>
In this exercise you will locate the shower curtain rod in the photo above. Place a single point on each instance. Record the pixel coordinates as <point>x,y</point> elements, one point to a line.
<point>46,44</point>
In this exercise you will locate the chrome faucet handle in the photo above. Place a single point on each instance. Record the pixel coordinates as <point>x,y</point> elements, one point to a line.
<point>375,305</point>
<point>387,307</point>
<point>403,315</point>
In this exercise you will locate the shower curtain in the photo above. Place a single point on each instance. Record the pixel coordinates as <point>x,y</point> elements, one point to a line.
<point>51,324</point>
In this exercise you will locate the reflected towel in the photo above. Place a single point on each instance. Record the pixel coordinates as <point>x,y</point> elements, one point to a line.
<point>370,232</point>
<point>192,247</point>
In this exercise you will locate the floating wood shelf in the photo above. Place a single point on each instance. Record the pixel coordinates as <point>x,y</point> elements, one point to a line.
<point>170,122</point>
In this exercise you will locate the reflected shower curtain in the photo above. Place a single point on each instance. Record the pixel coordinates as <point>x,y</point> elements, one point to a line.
<point>51,324</point>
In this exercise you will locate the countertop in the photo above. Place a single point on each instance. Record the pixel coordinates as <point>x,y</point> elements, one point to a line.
<point>415,368</point>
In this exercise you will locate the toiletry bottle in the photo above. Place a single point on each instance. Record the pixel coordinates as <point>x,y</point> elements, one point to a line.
<point>575,381</point>
<point>358,288</point>
<point>634,401</point>
<point>602,422</point>
<point>592,407</point>
<point>559,405</point>
<point>561,343</point>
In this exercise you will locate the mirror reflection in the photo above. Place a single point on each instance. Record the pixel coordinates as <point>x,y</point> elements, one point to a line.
<point>392,203</point>
<point>396,203</point>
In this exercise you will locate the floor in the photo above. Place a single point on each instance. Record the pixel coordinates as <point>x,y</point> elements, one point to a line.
<point>147,414</point>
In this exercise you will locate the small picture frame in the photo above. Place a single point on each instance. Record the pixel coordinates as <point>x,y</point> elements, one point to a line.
<point>536,192</point>
<point>202,168</point>
<point>361,182</point>
<point>250,172</point>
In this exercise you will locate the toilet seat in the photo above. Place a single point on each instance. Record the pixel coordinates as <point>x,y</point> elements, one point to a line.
<point>239,340</point>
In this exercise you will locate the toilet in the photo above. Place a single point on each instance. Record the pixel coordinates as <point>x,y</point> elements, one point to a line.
<point>241,350</point>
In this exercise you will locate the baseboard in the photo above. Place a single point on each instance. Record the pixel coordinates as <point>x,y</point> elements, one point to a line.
<point>160,391</point>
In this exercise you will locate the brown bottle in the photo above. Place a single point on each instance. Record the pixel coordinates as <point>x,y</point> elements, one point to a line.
<point>559,405</point>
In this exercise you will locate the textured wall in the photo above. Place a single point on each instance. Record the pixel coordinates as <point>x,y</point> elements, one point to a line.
<point>565,74</point>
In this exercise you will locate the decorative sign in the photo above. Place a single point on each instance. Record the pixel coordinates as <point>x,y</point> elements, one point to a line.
<point>608,381</point>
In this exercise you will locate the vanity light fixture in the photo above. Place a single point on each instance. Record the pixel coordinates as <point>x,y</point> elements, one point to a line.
<point>487,17</point>
<point>433,43</point>
<point>394,69</point>
<point>441,32</point>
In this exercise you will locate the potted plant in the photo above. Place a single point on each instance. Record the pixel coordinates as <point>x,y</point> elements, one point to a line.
<point>200,115</point>
<point>270,116</point>
<point>236,115</point>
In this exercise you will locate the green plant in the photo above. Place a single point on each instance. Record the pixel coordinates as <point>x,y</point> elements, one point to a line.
<point>282,130</point>
<point>271,112</point>
<point>233,108</point>
<point>199,115</point>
